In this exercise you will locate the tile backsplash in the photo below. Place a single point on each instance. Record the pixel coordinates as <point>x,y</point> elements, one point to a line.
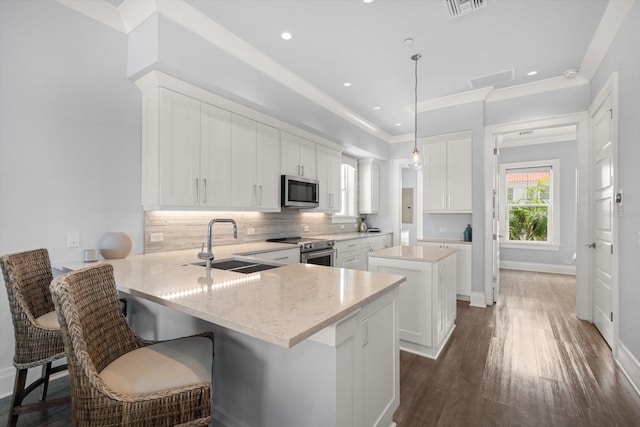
<point>187,229</point>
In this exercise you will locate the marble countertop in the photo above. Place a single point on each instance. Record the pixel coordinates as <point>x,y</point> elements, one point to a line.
<point>413,253</point>
<point>282,306</point>
<point>438,240</point>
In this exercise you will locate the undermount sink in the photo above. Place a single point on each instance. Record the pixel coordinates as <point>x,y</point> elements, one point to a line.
<point>244,267</point>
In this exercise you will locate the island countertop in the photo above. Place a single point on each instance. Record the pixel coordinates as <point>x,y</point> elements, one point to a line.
<point>413,253</point>
<point>282,306</point>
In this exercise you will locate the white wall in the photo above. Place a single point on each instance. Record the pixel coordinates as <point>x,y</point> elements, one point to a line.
<point>566,153</point>
<point>69,139</point>
<point>624,57</point>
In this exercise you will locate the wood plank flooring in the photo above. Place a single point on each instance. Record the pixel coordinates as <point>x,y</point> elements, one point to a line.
<point>527,361</point>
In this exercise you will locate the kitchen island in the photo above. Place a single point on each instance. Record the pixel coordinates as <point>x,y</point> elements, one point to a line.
<point>296,345</point>
<point>427,297</point>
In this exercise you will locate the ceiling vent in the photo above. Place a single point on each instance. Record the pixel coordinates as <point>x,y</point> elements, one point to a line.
<point>457,8</point>
<point>492,79</point>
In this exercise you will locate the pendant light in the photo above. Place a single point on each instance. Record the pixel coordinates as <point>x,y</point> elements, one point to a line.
<point>415,159</point>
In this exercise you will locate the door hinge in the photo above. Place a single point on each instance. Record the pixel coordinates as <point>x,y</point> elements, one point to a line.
<point>612,316</point>
<point>612,249</point>
<point>495,151</point>
<point>611,113</point>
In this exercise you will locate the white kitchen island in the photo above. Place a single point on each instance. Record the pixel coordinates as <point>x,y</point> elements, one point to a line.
<point>427,298</point>
<point>300,345</point>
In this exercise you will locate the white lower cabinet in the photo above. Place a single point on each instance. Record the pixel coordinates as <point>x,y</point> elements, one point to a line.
<point>354,253</point>
<point>427,302</point>
<point>463,268</point>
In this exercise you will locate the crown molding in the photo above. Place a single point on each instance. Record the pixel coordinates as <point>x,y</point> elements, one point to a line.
<point>610,24</point>
<point>532,88</point>
<point>452,100</point>
<point>99,10</point>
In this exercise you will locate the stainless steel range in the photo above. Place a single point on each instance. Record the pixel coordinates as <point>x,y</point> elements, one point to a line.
<point>312,251</point>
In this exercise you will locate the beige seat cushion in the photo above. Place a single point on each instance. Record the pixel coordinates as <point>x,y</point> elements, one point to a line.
<point>161,366</point>
<point>49,320</point>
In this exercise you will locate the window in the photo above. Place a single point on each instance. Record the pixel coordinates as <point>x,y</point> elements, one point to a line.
<point>529,204</point>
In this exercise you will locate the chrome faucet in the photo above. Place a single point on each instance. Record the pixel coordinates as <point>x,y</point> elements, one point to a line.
<point>209,254</point>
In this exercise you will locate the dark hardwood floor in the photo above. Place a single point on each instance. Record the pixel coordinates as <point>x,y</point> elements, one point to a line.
<point>527,361</point>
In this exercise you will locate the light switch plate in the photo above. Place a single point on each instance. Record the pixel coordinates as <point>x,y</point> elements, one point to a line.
<point>73,239</point>
<point>251,231</point>
<point>443,229</point>
<point>156,237</point>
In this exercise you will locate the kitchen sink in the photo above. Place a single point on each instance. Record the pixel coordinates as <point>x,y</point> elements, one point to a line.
<point>244,267</point>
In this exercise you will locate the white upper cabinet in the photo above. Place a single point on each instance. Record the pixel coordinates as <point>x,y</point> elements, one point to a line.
<point>215,156</point>
<point>329,174</point>
<point>255,165</point>
<point>447,176</point>
<point>369,186</point>
<point>298,156</point>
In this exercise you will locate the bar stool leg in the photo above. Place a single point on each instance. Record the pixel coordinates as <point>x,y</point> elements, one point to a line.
<point>18,395</point>
<point>46,373</point>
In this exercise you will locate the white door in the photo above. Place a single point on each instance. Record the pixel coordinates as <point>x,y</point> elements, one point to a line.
<point>268,167</point>
<point>291,155</point>
<point>459,170</point>
<point>435,176</point>
<point>215,157</point>
<point>244,158</point>
<point>604,217</point>
<point>496,225</point>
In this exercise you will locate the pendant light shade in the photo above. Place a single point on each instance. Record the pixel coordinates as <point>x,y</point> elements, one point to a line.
<point>415,159</point>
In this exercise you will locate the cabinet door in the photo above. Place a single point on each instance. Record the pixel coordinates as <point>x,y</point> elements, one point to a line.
<point>215,157</point>
<point>308,159</point>
<point>179,149</point>
<point>369,186</point>
<point>291,155</point>
<point>463,268</point>
<point>435,176</point>
<point>268,167</point>
<point>459,175</point>
<point>324,196</point>
<point>351,259</point>
<point>244,159</point>
<point>334,179</point>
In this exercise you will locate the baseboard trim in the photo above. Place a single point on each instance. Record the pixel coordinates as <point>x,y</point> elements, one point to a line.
<point>629,366</point>
<point>478,300</point>
<point>539,267</point>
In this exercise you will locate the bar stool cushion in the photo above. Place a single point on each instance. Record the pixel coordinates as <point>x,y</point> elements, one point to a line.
<point>48,320</point>
<point>161,366</point>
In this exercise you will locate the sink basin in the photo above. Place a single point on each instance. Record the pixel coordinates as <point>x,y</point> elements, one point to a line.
<point>244,267</point>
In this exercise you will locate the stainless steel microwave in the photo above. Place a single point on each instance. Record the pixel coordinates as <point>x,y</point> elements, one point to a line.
<point>299,192</point>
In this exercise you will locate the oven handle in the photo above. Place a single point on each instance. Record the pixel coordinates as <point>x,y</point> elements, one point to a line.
<point>318,254</point>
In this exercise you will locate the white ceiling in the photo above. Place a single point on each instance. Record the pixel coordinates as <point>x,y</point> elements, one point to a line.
<point>334,41</point>
<point>348,40</point>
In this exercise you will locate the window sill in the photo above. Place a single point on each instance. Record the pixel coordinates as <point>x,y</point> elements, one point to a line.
<point>535,246</point>
<point>339,219</point>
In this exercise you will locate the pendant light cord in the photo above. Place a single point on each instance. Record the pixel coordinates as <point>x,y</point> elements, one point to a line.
<point>415,57</point>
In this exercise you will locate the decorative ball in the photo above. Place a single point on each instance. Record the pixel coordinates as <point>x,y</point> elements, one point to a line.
<point>114,245</point>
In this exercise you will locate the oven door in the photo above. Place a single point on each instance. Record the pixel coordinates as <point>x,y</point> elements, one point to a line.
<point>322,257</point>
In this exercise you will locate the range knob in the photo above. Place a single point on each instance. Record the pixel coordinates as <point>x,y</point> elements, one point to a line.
<point>331,243</point>
<point>308,246</point>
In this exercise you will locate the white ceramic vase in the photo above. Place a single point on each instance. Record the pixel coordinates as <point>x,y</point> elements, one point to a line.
<point>114,245</point>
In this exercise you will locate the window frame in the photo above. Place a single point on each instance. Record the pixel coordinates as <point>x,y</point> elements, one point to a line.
<point>553,212</point>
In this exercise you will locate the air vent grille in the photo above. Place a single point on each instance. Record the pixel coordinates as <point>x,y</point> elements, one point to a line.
<point>457,8</point>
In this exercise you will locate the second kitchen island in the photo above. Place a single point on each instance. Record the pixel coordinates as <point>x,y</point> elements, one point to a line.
<point>427,298</point>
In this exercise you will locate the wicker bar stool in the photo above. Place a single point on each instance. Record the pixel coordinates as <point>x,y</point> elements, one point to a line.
<point>117,378</point>
<point>38,339</point>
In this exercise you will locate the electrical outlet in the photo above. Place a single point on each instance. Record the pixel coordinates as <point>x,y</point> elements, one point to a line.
<point>341,226</point>
<point>305,227</point>
<point>73,240</point>
<point>251,231</point>
<point>443,229</point>
<point>156,237</point>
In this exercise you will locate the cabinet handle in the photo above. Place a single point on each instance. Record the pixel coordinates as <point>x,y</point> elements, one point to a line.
<point>260,186</point>
<point>449,197</point>
<point>255,194</point>
<point>197,191</point>
<point>302,170</point>
<point>298,169</point>
<point>204,191</point>
<point>443,200</point>
<point>279,259</point>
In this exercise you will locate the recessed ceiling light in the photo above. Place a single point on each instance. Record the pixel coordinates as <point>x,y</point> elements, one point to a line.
<point>368,1</point>
<point>532,73</point>
<point>408,41</point>
<point>347,84</point>
<point>376,108</point>
<point>398,124</point>
<point>286,36</point>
